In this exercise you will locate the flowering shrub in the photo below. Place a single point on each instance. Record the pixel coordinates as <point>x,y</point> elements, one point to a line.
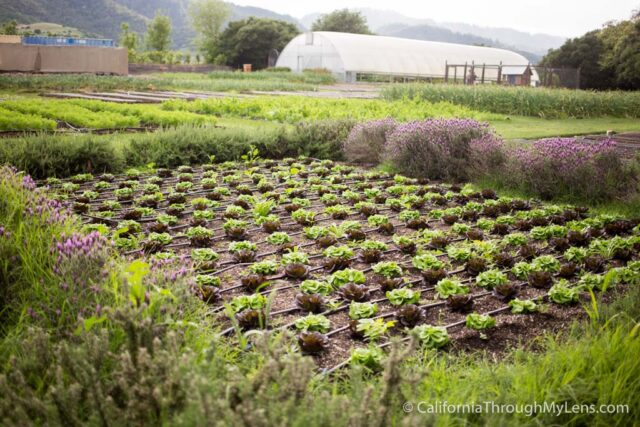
<point>451,149</point>
<point>563,166</point>
<point>366,141</point>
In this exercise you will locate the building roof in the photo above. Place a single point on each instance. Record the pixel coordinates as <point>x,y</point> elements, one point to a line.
<point>343,52</point>
<point>515,70</point>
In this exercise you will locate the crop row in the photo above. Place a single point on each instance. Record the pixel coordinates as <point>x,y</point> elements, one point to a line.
<point>523,101</point>
<point>293,109</point>
<point>36,114</point>
<point>350,257</point>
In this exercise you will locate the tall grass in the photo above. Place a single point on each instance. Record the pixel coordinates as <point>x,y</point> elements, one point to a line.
<point>524,101</point>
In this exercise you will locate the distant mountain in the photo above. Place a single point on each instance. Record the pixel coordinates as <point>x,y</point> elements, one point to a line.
<point>439,34</point>
<point>103,17</point>
<point>387,22</point>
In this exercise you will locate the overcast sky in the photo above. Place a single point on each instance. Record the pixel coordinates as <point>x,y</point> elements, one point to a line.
<point>567,18</point>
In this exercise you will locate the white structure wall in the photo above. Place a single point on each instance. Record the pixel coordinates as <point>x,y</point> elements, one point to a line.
<point>346,55</point>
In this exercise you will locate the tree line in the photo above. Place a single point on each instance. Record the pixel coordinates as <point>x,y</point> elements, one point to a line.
<point>608,58</point>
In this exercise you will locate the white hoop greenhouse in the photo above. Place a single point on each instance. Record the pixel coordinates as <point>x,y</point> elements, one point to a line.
<point>349,55</point>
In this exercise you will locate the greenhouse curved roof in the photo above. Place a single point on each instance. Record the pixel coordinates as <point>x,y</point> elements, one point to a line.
<point>343,52</point>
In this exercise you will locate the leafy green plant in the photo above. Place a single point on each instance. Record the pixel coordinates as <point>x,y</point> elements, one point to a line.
<point>523,306</point>
<point>248,302</point>
<point>402,296</point>
<point>546,263</point>
<point>447,287</point>
<point>316,287</point>
<point>206,280</point>
<point>479,321</point>
<point>373,329</point>
<point>264,268</point>
<point>427,261</point>
<point>563,293</point>
<point>431,336</point>
<point>348,275</point>
<point>362,310</point>
<point>491,278</point>
<point>388,269</point>
<point>369,358</point>
<point>313,323</point>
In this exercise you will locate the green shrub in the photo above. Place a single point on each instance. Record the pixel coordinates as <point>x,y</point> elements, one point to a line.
<point>47,155</point>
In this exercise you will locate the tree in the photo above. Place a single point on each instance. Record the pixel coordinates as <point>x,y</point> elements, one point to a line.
<point>622,52</point>
<point>128,39</point>
<point>10,28</point>
<point>608,58</point>
<point>207,17</point>
<point>250,40</point>
<point>343,21</point>
<point>158,36</point>
<point>582,52</point>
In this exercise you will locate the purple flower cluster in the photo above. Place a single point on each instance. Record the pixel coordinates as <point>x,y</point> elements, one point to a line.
<point>91,245</point>
<point>438,132</point>
<point>36,201</point>
<point>440,148</point>
<point>4,232</point>
<point>565,155</point>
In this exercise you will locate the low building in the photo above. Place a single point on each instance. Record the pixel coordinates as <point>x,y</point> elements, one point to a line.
<point>518,75</point>
<point>62,55</point>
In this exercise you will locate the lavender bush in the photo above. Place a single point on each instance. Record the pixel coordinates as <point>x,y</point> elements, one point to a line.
<point>564,167</point>
<point>366,141</point>
<point>448,149</point>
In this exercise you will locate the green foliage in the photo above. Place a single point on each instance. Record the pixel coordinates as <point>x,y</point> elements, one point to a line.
<point>250,40</point>
<point>402,296</point>
<point>316,287</point>
<point>427,262</point>
<point>313,323</point>
<point>362,310</point>
<point>564,293</point>
<point>158,37</point>
<point>342,21</point>
<point>491,278</point>
<point>348,275</point>
<point>248,302</point>
<point>388,269</point>
<point>447,287</point>
<point>374,329</point>
<point>431,336</point>
<point>207,18</point>
<point>519,306</point>
<point>370,358</point>
<point>296,109</point>
<point>479,321</point>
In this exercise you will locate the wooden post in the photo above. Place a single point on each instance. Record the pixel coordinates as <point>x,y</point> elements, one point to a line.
<point>464,75</point>
<point>483,67</point>
<point>455,74</point>
<point>500,72</point>
<point>446,72</point>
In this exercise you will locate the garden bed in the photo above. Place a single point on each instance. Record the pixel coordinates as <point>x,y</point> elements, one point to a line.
<point>349,258</point>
